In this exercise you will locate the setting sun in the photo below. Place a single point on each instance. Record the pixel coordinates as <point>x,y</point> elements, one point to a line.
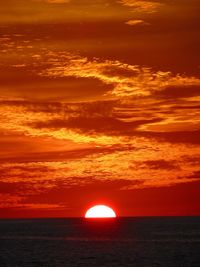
<point>100,211</point>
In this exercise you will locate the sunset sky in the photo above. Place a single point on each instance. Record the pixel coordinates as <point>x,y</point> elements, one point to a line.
<point>99,104</point>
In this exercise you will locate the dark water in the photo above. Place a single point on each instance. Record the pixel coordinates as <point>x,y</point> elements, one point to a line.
<point>169,241</point>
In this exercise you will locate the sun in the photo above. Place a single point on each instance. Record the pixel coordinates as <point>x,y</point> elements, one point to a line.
<point>100,211</point>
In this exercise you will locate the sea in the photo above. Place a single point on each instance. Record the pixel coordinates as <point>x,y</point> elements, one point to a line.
<point>138,242</point>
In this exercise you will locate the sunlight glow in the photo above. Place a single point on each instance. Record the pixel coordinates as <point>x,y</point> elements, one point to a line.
<point>100,211</point>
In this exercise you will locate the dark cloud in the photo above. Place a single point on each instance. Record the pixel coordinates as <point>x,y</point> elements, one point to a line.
<point>184,137</point>
<point>55,156</point>
<point>195,175</point>
<point>43,88</point>
<point>193,160</point>
<point>11,188</point>
<point>161,164</point>
<point>179,92</point>
<point>96,125</point>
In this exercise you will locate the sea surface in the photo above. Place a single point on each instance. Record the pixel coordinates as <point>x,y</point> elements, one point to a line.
<point>139,242</point>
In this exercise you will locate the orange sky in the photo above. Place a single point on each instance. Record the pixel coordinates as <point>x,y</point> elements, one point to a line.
<point>99,104</point>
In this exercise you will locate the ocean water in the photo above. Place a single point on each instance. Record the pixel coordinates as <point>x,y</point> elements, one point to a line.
<point>139,242</point>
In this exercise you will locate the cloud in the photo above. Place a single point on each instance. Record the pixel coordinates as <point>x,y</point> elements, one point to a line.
<point>174,92</point>
<point>142,5</point>
<point>9,200</point>
<point>127,80</point>
<point>95,125</point>
<point>146,162</point>
<point>79,145</point>
<point>107,78</point>
<point>196,174</point>
<point>134,22</point>
<point>81,123</point>
<point>175,137</point>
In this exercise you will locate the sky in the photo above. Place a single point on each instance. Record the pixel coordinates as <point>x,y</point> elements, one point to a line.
<point>99,104</point>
